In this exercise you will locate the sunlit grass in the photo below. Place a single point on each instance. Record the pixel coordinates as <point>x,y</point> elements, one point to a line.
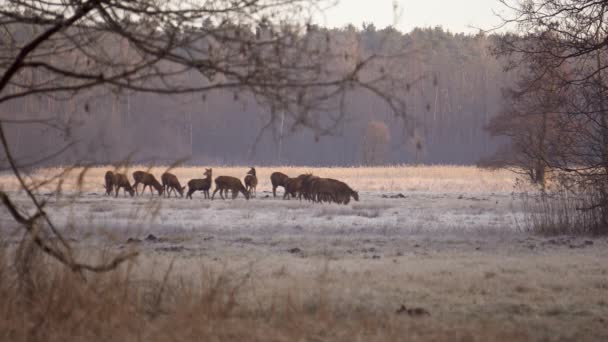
<point>440,178</point>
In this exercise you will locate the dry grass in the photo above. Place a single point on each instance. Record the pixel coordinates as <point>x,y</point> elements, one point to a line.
<point>446,178</point>
<point>214,280</point>
<point>160,299</point>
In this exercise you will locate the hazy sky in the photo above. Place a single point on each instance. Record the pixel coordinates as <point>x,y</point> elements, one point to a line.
<point>455,15</point>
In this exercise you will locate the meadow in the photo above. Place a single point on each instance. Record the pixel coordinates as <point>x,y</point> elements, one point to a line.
<point>428,253</point>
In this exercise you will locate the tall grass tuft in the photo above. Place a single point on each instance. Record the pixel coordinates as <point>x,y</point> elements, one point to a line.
<point>563,212</point>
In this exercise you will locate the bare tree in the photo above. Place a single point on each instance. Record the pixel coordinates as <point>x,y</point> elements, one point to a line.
<point>565,44</point>
<point>267,49</point>
<point>530,119</point>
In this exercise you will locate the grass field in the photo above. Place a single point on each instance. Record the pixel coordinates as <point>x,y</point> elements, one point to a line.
<point>428,253</point>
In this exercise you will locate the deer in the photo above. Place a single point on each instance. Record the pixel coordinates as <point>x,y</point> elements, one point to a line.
<point>330,190</point>
<point>121,181</point>
<point>200,185</point>
<point>307,189</point>
<point>170,183</point>
<point>293,186</point>
<point>343,193</point>
<point>251,182</point>
<point>277,179</point>
<point>225,183</point>
<point>109,182</point>
<point>147,179</point>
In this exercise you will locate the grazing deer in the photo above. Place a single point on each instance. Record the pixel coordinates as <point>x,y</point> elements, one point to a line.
<point>225,183</point>
<point>338,191</point>
<point>277,179</point>
<point>330,190</point>
<point>344,193</point>
<point>251,182</point>
<point>307,189</point>
<point>121,181</point>
<point>170,183</point>
<point>109,182</point>
<point>147,179</point>
<point>200,185</point>
<point>293,186</point>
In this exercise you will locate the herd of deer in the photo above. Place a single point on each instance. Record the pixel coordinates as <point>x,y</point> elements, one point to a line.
<point>306,186</point>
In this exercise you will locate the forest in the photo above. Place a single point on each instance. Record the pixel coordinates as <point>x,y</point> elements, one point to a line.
<point>454,89</point>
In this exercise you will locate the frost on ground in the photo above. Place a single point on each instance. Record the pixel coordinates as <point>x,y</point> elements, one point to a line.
<point>447,239</point>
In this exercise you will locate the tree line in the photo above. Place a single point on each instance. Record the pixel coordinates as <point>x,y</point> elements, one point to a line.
<point>450,85</point>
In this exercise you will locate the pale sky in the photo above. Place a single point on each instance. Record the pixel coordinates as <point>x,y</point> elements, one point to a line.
<point>455,15</point>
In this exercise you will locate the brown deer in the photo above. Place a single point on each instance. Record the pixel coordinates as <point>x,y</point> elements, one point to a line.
<point>307,189</point>
<point>251,182</point>
<point>109,182</point>
<point>170,183</point>
<point>147,179</point>
<point>200,185</point>
<point>293,186</point>
<point>121,181</point>
<point>339,192</point>
<point>225,183</point>
<point>277,179</point>
<point>330,190</point>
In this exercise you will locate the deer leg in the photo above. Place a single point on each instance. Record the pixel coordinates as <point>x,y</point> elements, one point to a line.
<point>216,190</point>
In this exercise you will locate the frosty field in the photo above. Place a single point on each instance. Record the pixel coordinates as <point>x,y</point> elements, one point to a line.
<point>450,240</point>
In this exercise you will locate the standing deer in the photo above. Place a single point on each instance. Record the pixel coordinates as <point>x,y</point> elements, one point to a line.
<point>277,179</point>
<point>109,182</point>
<point>121,181</point>
<point>251,182</point>
<point>170,183</point>
<point>147,179</point>
<point>225,183</point>
<point>200,185</point>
